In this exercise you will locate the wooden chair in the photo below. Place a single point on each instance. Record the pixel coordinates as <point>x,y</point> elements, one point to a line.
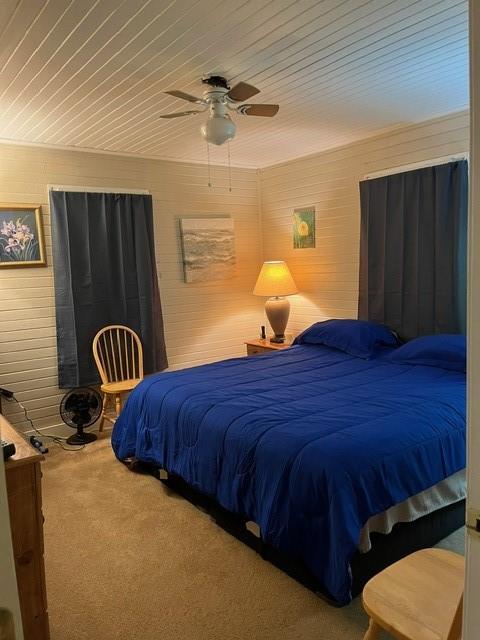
<point>418,598</point>
<point>118,355</point>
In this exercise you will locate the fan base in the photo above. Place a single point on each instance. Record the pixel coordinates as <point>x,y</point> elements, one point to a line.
<point>81,438</point>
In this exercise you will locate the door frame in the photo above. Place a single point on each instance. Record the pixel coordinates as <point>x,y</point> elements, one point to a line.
<point>472,578</point>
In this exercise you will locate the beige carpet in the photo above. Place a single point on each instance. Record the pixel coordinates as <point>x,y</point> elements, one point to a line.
<point>127,559</point>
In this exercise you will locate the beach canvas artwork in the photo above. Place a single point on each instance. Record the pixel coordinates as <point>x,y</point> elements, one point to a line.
<point>304,228</point>
<point>208,248</point>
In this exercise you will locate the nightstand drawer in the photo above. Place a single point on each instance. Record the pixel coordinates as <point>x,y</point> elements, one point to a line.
<point>263,345</point>
<point>253,350</point>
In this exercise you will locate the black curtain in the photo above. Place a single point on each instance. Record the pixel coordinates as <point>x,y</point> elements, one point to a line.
<point>413,250</point>
<point>105,273</point>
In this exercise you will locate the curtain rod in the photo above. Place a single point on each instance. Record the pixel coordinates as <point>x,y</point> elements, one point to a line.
<point>416,165</point>
<point>68,187</point>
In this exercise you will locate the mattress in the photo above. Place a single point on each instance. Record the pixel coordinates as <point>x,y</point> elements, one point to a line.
<point>309,443</point>
<point>447,492</point>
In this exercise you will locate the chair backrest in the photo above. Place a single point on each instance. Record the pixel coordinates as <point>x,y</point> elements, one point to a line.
<point>455,632</point>
<point>118,354</point>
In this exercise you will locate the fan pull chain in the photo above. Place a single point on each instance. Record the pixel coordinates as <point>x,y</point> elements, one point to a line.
<point>229,168</point>
<point>208,165</point>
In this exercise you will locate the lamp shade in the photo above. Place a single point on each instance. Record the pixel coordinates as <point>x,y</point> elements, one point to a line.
<point>275,279</point>
<point>218,129</point>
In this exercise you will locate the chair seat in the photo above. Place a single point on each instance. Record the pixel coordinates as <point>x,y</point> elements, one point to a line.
<point>416,598</point>
<point>120,387</point>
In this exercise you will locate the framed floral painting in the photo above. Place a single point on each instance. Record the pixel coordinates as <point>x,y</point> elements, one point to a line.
<point>21,236</point>
<point>304,228</point>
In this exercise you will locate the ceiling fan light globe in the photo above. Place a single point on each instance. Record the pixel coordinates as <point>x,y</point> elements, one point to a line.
<point>218,129</point>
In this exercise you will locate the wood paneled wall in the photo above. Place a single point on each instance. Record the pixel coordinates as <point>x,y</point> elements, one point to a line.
<point>205,322</point>
<point>202,322</point>
<point>327,276</point>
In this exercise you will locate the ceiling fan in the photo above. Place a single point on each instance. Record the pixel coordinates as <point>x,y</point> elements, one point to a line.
<point>218,99</point>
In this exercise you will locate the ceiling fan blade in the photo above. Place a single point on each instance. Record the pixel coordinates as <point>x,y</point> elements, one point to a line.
<point>184,96</point>
<point>242,91</point>
<point>179,114</point>
<point>266,110</point>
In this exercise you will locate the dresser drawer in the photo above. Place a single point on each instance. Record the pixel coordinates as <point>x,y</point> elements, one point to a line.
<point>26,521</point>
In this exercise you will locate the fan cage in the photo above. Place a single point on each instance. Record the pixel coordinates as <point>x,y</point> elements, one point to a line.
<point>80,408</point>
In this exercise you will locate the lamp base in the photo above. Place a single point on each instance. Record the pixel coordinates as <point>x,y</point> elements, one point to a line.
<point>278,310</point>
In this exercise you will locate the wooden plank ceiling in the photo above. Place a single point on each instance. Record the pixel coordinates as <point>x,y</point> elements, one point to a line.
<point>91,73</point>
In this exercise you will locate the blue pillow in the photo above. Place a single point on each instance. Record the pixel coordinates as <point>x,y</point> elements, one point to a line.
<point>447,351</point>
<point>359,338</point>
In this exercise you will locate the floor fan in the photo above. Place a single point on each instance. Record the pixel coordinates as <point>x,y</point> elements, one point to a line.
<point>79,409</point>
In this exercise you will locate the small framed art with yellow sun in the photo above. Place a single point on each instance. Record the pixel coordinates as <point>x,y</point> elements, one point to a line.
<point>304,228</point>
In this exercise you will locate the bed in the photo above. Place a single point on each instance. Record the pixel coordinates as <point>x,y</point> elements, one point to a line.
<point>317,447</point>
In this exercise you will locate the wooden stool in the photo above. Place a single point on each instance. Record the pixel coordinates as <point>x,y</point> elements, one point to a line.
<point>418,598</point>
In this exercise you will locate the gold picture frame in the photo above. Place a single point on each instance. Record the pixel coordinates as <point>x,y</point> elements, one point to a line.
<point>22,241</point>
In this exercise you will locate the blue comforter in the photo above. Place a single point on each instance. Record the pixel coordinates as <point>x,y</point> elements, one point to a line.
<point>308,442</point>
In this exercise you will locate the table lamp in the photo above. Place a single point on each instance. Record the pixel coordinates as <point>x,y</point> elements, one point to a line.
<point>275,281</point>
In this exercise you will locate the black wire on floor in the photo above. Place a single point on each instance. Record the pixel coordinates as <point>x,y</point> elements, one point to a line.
<point>60,440</point>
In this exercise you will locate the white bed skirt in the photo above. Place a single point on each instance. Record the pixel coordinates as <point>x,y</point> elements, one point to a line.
<point>452,489</point>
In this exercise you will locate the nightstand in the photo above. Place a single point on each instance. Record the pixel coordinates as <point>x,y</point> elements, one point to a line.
<point>260,345</point>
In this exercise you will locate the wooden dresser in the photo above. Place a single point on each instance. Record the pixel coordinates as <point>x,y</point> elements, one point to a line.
<point>24,492</point>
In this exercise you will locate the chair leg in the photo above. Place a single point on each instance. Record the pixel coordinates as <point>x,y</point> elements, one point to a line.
<point>104,410</point>
<point>118,404</point>
<point>373,631</point>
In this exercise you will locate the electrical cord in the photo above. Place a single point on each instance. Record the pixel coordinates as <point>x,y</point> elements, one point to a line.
<point>55,438</point>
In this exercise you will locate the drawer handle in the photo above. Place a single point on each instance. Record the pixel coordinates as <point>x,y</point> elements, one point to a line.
<point>25,558</point>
